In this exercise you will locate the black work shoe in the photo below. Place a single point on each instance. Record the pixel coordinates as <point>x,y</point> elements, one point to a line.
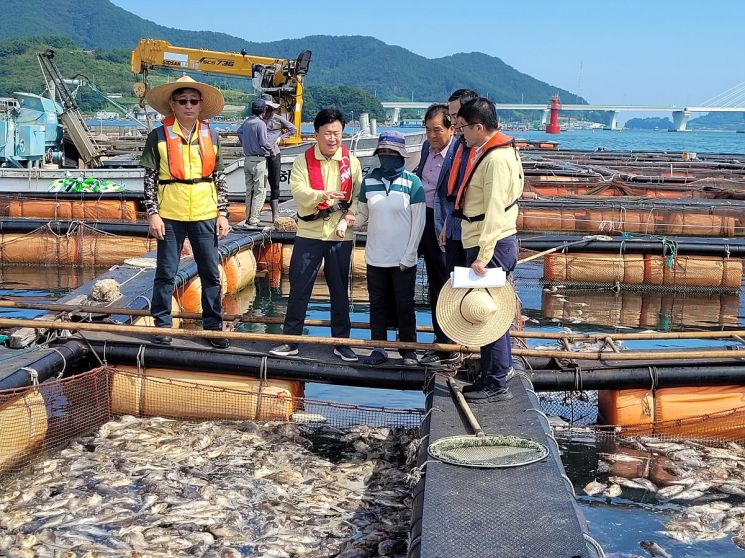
<point>408,358</point>
<point>219,342</point>
<point>490,393</point>
<point>376,358</point>
<point>437,358</point>
<point>478,385</point>
<point>162,339</point>
<point>430,358</point>
<point>289,349</point>
<point>345,353</point>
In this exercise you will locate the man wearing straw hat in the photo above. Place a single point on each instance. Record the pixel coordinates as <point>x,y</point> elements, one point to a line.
<point>186,196</point>
<point>486,203</point>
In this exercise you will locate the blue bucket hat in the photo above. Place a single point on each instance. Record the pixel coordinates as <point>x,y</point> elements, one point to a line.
<point>392,140</point>
<point>258,104</point>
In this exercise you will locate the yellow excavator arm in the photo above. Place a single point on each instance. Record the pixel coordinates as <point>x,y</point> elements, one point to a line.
<point>279,77</point>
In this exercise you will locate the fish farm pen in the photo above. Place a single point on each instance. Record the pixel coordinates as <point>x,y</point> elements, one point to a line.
<point>627,343</point>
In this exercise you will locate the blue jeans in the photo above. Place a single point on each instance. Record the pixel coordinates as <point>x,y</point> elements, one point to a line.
<point>304,264</point>
<point>203,238</point>
<point>496,357</point>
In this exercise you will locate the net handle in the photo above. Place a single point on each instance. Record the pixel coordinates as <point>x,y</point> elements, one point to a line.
<point>465,409</point>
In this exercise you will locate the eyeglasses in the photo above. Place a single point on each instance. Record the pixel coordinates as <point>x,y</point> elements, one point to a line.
<point>192,102</point>
<point>460,128</point>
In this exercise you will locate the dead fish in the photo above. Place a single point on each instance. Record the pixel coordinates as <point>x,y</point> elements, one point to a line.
<point>655,549</point>
<point>620,457</point>
<point>612,491</point>
<point>739,539</point>
<point>594,487</point>
<point>636,483</point>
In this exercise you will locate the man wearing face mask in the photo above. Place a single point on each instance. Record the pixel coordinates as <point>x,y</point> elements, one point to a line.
<point>392,204</point>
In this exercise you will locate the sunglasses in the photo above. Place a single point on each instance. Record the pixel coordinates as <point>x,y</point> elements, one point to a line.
<point>192,102</point>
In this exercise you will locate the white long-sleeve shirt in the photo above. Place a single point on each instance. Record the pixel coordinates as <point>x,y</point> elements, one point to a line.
<point>395,213</point>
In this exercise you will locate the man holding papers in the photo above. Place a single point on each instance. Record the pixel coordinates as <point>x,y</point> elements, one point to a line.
<point>486,202</point>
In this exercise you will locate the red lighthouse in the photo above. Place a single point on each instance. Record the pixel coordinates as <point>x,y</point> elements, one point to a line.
<point>553,126</point>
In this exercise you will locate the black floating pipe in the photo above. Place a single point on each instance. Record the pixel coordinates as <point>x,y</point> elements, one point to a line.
<point>23,226</point>
<point>641,377</point>
<point>47,366</point>
<point>240,364</point>
<point>734,247</point>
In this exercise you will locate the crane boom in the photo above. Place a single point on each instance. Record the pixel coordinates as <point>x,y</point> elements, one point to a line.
<point>279,77</point>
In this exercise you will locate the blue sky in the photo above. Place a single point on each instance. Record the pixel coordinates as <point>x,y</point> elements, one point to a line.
<point>624,52</point>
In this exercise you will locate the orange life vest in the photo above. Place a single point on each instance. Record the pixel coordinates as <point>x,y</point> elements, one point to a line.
<point>316,178</point>
<point>174,143</point>
<point>497,141</point>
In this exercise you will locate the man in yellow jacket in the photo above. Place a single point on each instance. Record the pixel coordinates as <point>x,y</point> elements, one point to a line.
<point>486,203</point>
<point>186,196</point>
<point>325,183</point>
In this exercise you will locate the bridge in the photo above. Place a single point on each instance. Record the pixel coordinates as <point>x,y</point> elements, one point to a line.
<point>680,113</point>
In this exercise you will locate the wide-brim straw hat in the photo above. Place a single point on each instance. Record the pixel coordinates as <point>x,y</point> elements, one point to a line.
<point>212,99</point>
<point>476,317</point>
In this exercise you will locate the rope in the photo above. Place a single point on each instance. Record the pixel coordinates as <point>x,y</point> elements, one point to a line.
<point>141,373</point>
<point>146,299</point>
<point>92,350</point>
<point>64,360</point>
<point>415,475</point>
<point>569,484</point>
<point>541,413</point>
<point>595,545</point>
<point>263,375</point>
<point>32,374</point>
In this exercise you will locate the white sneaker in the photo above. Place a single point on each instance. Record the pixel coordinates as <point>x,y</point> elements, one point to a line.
<point>290,349</point>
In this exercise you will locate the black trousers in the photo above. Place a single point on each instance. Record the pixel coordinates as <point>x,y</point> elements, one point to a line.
<point>434,259</point>
<point>304,264</point>
<point>273,169</point>
<point>496,357</point>
<point>455,254</point>
<point>391,293</point>
<point>203,238</point>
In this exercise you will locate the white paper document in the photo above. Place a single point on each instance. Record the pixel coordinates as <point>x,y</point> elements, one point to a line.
<point>464,278</point>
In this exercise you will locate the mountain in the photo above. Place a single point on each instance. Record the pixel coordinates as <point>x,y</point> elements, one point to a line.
<point>652,123</point>
<point>389,72</point>
<point>718,121</point>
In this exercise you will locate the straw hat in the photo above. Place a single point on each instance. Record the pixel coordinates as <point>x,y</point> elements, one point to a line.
<point>212,99</point>
<point>476,317</point>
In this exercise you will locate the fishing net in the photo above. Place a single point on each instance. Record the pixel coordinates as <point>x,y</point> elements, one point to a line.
<point>83,207</point>
<point>40,419</point>
<point>80,245</point>
<point>584,217</point>
<point>636,271</point>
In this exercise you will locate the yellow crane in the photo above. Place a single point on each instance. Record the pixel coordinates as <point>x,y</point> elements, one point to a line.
<point>279,77</point>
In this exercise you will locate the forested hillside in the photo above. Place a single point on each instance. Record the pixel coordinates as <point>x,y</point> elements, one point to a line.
<point>388,72</point>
